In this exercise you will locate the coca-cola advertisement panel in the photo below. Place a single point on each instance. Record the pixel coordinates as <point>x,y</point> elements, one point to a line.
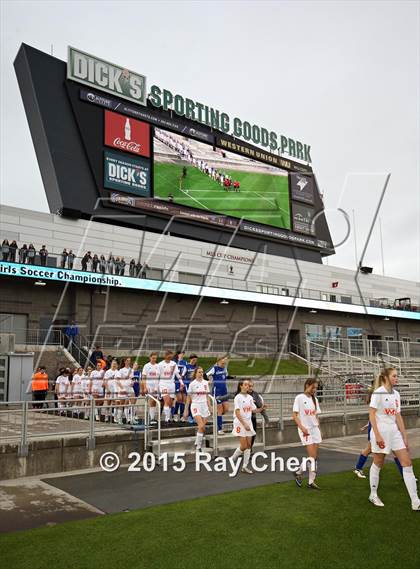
<point>127,134</point>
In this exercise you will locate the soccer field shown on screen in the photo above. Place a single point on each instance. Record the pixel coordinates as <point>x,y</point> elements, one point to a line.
<point>190,173</point>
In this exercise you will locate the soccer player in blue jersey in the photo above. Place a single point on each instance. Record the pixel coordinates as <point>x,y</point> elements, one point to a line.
<point>218,375</point>
<point>180,395</point>
<point>190,368</point>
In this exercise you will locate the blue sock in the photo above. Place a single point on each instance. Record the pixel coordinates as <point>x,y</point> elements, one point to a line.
<point>361,462</point>
<point>219,422</point>
<point>398,465</point>
<point>181,409</point>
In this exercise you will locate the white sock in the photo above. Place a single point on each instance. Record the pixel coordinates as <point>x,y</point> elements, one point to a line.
<point>374,479</point>
<point>247,454</point>
<point>312,476</point>
<point>167,413</point>
<point>237,454</point>
<point>199,440</point>
<point>119,414</point>
<point>152,413</point>
<point>410,483</point>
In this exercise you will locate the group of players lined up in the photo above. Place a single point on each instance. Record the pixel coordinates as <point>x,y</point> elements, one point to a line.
<point>117,388</point>
<point>225,180</point>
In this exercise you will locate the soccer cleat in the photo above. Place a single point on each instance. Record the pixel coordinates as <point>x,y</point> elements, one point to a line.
<point>359,473</point>
<point>220,432</point>
<point>183,419</point>
<point>376,501</point>
<point>314,486</point>
<point>246,470</point>
<point>175,418</point>
<point>415,506</point>
<point>298,479</point>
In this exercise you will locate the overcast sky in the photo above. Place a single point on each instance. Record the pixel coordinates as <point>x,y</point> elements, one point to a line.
<point>340,76</point>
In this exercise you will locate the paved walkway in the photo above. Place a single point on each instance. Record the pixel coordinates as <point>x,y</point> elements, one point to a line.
<point>27,503</point>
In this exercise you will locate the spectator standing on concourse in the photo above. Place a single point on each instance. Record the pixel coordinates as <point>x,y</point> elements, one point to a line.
<point>132,268</point>
<point>22,254</point>
<point>85,260</point>
<point>13,249</point>
<point>70,259</point>
<point>102,264</point>
<point>95,263</point>
<point>43,256</point>
<point>122,267</point>
<point>5,250</point>
<point>31,254</point>
<point>111,264</point>
<point>63,258</point>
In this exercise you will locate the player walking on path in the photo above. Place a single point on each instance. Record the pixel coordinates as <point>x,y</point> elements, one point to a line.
<point>168,370</point>
<point>199,401</point>
<point>305,414</point>
<point>244,406</point>
<point>389,435</point>
<point>218,375</point>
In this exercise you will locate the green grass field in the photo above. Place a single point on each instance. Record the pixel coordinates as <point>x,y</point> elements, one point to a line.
<point>269,527</point>
<point>257,366</point>
<point>263,198</point>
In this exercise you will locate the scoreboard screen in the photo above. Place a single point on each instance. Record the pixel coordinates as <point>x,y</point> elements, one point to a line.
<point>111,158</point>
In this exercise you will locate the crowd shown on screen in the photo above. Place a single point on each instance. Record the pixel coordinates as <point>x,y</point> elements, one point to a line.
<point>27,254</point>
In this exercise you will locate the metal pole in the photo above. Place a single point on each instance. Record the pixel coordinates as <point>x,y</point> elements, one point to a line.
<point>382,247</point>
<point>159,406</point>
<point>146,424</point>
<point>90,443</point>
<point>23,449</point>
<point>356,256</point>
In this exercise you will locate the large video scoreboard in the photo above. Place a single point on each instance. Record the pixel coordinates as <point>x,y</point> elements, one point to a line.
<point>108,150</point>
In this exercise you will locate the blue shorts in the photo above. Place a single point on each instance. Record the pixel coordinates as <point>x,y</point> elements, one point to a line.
<point>186,385</point>
<point>220,390</point>
<point>369,430</point>
<point>136,388</point>
<point>177,386</point>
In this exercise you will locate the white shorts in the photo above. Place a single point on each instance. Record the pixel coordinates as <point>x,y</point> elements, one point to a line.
<point>392,438</point>
<point>200,409</point>
<point>314,437</point>
<point>126,394</point>
<point>167,388</point>
<point>152,387</point>
<point>240,431</point>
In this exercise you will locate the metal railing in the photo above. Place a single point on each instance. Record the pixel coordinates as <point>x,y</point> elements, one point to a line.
<point>23,421</point>
<point>384,359</point>
<point>317,354</point>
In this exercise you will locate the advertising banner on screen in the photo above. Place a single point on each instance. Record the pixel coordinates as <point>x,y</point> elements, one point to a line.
<point>302,219</point>
<point>302,188</point>
<point>127,134</point>
<point>127,174</point>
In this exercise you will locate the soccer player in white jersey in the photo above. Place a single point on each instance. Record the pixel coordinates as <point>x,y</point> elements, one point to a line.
<point>77,389</point>
<point>305,415</point>
<point>97,388</point>
<point>125,392</point>
<point>389,435</point>
<point>111,391</point>
<point>124,386</point>
<point>244,406</point>
<point>168,369</point>
<point>62,388</point>
<point>199,401</point>
<point>150,383</point>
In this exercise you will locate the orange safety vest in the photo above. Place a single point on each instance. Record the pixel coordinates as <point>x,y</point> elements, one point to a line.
<point>39,381</point>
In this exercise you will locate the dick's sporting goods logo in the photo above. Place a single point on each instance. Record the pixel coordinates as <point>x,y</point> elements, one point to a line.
<point>127,134</point>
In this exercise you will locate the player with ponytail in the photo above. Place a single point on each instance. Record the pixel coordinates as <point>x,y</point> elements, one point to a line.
<point>389,435</point>
<point>305,414</point>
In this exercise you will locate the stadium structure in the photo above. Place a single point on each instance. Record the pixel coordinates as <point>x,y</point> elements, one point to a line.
<point>209,268</point>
